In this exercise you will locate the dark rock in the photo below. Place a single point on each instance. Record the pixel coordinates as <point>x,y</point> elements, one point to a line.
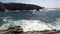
<point>53,30</point>
<point>13,30</point>
<point>16,28</point>
<point>2,7</point>
<point>49,33</point>
<point>20,6</point>
<point>46,30</point>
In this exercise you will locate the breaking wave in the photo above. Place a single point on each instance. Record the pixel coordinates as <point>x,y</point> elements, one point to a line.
<point>39,20</point>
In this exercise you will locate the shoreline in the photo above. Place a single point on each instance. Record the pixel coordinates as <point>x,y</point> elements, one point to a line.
<point>19,30</point>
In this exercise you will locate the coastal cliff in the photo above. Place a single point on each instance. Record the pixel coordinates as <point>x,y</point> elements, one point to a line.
<point>19,6</point>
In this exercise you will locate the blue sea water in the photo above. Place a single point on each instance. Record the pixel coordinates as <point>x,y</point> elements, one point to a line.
<point>31,20</point>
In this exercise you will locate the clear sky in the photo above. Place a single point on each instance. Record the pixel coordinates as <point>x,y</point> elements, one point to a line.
<point>44,3</point>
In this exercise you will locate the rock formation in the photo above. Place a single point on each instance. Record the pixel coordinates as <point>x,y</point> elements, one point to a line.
<point>2,7</point>
<point>12,30</point>
<point>19,6</point>
<point>19,30</point>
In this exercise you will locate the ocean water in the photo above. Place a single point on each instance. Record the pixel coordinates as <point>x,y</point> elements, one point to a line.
<point>31,20</point>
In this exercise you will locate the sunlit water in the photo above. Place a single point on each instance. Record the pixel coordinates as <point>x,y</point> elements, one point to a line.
<point>31,20</point>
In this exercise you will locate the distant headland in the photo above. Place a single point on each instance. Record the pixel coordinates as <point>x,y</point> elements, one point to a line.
<point>19,6</point>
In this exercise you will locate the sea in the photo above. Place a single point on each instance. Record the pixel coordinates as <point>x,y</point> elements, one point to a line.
<point>31,20</point>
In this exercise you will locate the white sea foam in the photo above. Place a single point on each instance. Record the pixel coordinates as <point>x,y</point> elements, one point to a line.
<point>29,25</point>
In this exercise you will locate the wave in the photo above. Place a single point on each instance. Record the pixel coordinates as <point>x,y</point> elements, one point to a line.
<point>38,20</point>
<point>27,25</point>
<point>30,25</point>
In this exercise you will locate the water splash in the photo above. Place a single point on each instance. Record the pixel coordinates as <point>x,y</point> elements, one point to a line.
<point>27,25</point>
<point>42,20</point>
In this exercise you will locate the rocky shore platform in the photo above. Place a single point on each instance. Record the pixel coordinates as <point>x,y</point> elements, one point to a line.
<point>19,30</point>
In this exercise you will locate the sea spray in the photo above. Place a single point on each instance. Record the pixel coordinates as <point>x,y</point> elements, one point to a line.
<point>36,21</point>
<point>27,25</point>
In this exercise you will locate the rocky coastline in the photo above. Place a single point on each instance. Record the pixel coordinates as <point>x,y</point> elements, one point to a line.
<point>18,6</point>
<point>19,30</point>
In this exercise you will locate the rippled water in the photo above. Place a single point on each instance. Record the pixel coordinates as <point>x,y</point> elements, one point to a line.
<point>31,20</point>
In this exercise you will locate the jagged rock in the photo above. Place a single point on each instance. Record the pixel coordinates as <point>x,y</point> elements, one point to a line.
<point>13,30</point>
<point>19,30</point>
<point>33,32</point>
<point>43,32</point>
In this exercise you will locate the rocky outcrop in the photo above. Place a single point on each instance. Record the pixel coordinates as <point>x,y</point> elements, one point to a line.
<point>19,30</point>
<point>2,7</point>
<point>43,32</point>
<point>12,30</point>
<point>20,6</point>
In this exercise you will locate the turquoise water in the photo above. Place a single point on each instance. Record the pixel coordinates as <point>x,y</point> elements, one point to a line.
<point>31,20</point>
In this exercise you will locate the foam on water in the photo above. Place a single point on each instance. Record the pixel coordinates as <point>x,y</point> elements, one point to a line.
<point>45,19</point>
<point>29,25</point>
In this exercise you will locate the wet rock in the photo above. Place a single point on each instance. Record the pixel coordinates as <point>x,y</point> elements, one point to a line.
<point>13,30</point>
<point>19,30</point>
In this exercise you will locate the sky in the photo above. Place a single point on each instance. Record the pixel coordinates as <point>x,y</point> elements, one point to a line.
<point>43,3</point>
